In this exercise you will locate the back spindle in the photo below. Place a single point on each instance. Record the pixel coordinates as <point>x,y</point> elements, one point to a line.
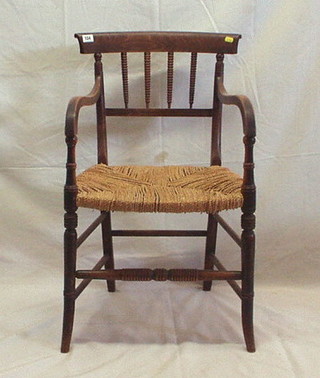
<point>170,79</point>
<point>193,70</point>
<point>125,85</point>
<point>147,77</point>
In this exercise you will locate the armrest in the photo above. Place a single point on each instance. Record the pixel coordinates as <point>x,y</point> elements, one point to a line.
<point>76,103</point>
<point>244,105</point>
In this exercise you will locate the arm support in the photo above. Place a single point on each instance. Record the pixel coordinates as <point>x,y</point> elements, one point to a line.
<point>244,105</point>
<point>249,130</point>
<point>71,130</point>
<point>76,103</point>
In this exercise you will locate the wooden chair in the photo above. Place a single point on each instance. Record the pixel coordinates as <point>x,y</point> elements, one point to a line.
<point>159,189</point>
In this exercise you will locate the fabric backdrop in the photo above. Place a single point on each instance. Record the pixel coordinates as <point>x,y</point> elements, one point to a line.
<point>160,329</point>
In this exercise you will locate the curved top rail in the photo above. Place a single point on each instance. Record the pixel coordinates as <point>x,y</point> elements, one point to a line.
<point>91,43</point>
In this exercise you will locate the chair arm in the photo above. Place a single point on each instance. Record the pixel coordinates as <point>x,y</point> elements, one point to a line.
<point>71,130</point>
<point>248,188</point>
<point>244,105</point>
<point>76,103</point>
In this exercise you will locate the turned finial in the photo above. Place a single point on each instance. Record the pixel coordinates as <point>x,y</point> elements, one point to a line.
<point>220,57</point>
<point>98,57</point>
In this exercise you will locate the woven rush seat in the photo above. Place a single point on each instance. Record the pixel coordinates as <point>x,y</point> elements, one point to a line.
<point>174,189</point>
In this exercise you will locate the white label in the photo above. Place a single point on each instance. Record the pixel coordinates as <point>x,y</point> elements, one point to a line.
<point>87,38</point>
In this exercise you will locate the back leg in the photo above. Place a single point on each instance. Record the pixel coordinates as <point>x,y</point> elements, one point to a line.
<point>211,241</point>
<point>70,250</point>
<point>247,292</point>
<point>108,249</point>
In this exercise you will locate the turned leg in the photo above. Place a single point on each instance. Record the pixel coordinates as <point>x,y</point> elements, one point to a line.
<point>68,317</point>
<point>210,247</point>
<point>108,249</point>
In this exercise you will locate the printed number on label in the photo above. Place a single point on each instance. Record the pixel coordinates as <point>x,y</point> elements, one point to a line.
<point>87,38</point>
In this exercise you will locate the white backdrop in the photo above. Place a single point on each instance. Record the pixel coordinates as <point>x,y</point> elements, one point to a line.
<point>161,330</point>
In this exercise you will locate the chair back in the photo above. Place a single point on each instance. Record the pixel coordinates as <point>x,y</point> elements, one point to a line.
<point>166,42</point>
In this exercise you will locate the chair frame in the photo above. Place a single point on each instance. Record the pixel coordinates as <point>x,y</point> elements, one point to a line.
<point>170,42</point>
